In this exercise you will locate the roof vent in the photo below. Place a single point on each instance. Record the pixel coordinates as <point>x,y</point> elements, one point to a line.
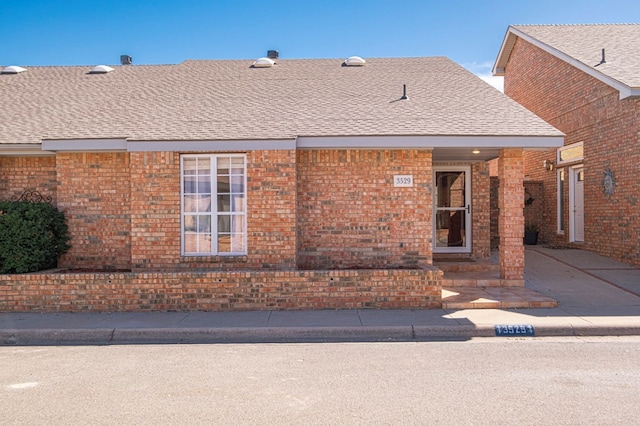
<point>264,63</point>
<point>126,60</point>
<point>272,54</point>
<point>354,61</point>
<point>13,69</point>
<point>100,69</point>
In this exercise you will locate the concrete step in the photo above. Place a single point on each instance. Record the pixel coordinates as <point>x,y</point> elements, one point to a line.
<point>483,278</point>
<point>494,298</point>
<point>467,266</point>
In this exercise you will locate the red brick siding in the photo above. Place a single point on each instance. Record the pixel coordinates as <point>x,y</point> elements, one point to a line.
<point>221,291</point>
<point>535,212</point>
<point>94,194</point>
<point>481,212</point>
<point>271,200</point>
<point>511,217</point>
<point>350,215</point>
<point>588,111</point>
<point>19,174</point>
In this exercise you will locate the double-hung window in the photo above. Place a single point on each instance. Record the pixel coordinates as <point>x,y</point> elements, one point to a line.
<point>214,204</point>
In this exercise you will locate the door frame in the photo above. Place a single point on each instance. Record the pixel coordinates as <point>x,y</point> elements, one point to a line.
<point>573,172</point>
<point>434,208</point>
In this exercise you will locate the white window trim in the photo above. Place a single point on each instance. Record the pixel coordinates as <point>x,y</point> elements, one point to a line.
<point>214,214</point>
<point>564,148</point>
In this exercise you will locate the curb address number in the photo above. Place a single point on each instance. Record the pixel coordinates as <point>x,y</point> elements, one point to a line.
<point>515,330</point>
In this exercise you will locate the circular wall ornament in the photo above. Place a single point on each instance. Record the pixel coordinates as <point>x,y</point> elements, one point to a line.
<point>608,183</point>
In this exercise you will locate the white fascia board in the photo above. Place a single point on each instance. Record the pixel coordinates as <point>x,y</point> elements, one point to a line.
<point>24,150</point>
<point>215,145</point>
<point>429,142</point>
<point>624,90</point>
<point>85,145</point>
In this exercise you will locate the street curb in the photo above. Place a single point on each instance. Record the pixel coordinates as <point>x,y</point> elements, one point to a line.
<point>405,333</point>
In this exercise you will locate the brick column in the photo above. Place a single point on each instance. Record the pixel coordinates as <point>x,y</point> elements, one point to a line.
<point>481,211</point>
<point>511,217</point>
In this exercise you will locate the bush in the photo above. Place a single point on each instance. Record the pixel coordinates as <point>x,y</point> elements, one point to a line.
<point>32,236</point>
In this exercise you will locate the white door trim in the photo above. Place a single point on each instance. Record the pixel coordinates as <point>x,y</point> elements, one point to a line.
<point>468,223</point>
<point>573,172</point>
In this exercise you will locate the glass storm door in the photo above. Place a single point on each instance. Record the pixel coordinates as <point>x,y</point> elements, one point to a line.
<point>452,210</point>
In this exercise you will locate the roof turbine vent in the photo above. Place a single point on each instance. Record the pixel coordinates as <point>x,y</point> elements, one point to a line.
<point>126,60</point>
<point>272,54</point>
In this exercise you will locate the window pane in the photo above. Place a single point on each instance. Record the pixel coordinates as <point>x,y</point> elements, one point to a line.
<point>189,184</point>
<point>191,243</point>
<point>450,189</point>
<point>224,203</point>
<point>238,203</point>
<point>237,184</point>
<point>224,243</point>
<point>223,184</point>
<point>450,229</point>
<point>237,242</point>
<point>204,224</point>
<point>189,166</point>
<point>224,224</point>
<point>237,165</point>
<point>190,223</point>
<point>204,185</point>
<point>204,166</point>
<point>237,224</point>
<point>223,165</point>
<point>204,243</point>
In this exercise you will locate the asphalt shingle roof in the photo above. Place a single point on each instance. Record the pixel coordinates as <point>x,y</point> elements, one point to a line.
<point>230,100</point>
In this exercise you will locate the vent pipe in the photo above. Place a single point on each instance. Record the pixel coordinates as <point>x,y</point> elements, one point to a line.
<point>404,92</point>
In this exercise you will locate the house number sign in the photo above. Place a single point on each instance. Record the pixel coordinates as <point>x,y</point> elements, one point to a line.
<point>403,181</point>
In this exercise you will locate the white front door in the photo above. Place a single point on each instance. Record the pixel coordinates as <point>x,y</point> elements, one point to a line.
<point>452,209</point>
<point>576,204</point>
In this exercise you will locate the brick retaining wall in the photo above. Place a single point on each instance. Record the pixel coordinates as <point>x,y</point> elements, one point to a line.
<point>221,290</point>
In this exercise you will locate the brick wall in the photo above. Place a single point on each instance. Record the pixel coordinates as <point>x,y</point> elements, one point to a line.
<point>19,174</point>
<point>588,111</point>
<point>271,222</point>
<point>535,212</point>
<point>350,215</point>
<point>94,194</point>
<point>221,291</point>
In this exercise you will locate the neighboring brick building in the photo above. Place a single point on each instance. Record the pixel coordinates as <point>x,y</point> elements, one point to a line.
<point>585,81</point>
<point>311,169</point>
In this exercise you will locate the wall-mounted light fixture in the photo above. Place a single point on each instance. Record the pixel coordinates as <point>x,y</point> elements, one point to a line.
<point>548,165</point>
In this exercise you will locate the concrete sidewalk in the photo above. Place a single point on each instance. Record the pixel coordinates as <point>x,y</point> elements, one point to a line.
<point>596,297</point>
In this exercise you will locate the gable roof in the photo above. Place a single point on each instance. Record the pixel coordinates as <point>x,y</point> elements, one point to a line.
<point>227,100</point>
<point>581,46</point>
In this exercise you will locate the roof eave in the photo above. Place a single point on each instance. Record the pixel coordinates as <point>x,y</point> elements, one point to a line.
<point>24,150</point>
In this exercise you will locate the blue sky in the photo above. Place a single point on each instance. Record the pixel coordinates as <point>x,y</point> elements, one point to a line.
<point>84,32</point>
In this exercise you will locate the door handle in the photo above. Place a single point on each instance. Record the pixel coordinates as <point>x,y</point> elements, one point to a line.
<point>468,208</point>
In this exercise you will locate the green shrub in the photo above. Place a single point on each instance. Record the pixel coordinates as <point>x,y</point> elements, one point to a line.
<point>32,236</point>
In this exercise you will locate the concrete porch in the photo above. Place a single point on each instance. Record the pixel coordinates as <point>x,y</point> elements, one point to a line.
<point>476,284</point>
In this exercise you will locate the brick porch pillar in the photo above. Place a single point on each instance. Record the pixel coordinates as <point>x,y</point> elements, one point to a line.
<point>511,216</point>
